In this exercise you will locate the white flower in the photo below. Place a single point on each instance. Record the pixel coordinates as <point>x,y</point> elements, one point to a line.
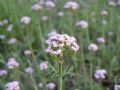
<point>104,22</point>
<point>10,27</point>
<point>5,21</point>
<point>51,85</point>
<point>82,24</point>
<point>43,66</point>
<point>93,47</point>
<point>29,70</point>
<point>104,13</point>
<point>12,63</point>
<point>36,7</point>
<point>27,52</point>
<point>11,41</point>
<point>71,5</point>
<point>25,20</point>
<point>117,87</point>
<point>100,74</point>
<point>112,3</point>
<point>14,85</point>
<point>45,18</point>
<point>60,14</point>
<point>2,36</point>
<point>101,39</point>
<point>3,72</point>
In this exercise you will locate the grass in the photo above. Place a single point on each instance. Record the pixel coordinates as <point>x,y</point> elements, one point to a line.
<point>33,37</point>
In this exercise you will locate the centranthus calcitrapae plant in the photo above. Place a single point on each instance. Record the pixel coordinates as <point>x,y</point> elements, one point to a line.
<point>58,45</point>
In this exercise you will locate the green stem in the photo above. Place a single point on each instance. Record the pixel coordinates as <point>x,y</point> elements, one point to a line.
<point>61,77</point>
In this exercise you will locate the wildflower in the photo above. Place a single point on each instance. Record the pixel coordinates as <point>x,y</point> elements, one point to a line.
<point>93,47</point>
<point>36,7</point>
<point>29,70</point>
<point>10,27</point>
<point>104,22</point>
<point>71,5</point>
<point>2,36</point>
<point>100,74</point>
<point>12,63</point>
<point>60,14</point>
<point>1,23</point>
<point>25,20</point>
<point>11,41</point>
<point>101,39</point>
<point>5,21</point>
<point>14,85</point>
<point>3,72</point>
<point>27,52</point>
<point>118,2</point>
<point>110,33</point>
<point>116,87</point>
<point>104,13</point>
<point>43,66</point>
<point>56,42</point>
<point>51,85</point>
<point>112,3</point>
<point>49,4</point>
<point>40,85</point>
<point>45,18</point>
<point>82,24</point>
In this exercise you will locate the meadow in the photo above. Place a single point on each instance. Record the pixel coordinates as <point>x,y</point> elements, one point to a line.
<point>59,45</point>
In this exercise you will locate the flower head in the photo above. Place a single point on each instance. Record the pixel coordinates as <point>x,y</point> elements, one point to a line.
<point>12,63</point>
<point>82,24</point>
<point>14,85</point>
<point>25,20</point>
<point>43,66</point>
<point>71,5</point>
<point>29,70</point>
<point>93,47</point>
<point>57,42</point>
<point>3,72</point>
<point>100,74</point>
<point>51,85</point>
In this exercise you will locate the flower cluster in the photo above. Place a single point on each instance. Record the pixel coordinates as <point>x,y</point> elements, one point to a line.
<point>3,72</point>
<point>58,42</point>
<point>14,85</point>
<point>100,74</point>
<point>71,5</point>
<point>12,63</point>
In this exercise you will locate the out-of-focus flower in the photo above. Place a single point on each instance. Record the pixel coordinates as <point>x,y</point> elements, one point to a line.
<point>82,24</point>
<point>25,19</point>
<point>12,63</point>
<point>11,41</point>
<point>36,7</point>
<point>43,66</point>
<point>116,87</point>
<point>1,23</point>
<point>71,5</point>
<point>93,47</point>
<point>101,39</point>
<point>49,4</point>
<point>104,13</point>
<point>44,18</point>
<point>51,85</point>
<point>27,52</point>
<point>60,14</point>
<point>10,27</point>
<point>3,72</point>
<point>100,74</point>
<point>40,85</point>
<point>5,21</point>
<point>112,3</point>
<point>118,2</point>
<point>14,85</point>
<point>2,36</point>
<point>57,42</point>
<point>110,33</point>
<point>104,22</point>
<point>29,70</point>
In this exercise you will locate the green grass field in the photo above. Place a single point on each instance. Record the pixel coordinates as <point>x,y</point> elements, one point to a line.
<point>78,70</point>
